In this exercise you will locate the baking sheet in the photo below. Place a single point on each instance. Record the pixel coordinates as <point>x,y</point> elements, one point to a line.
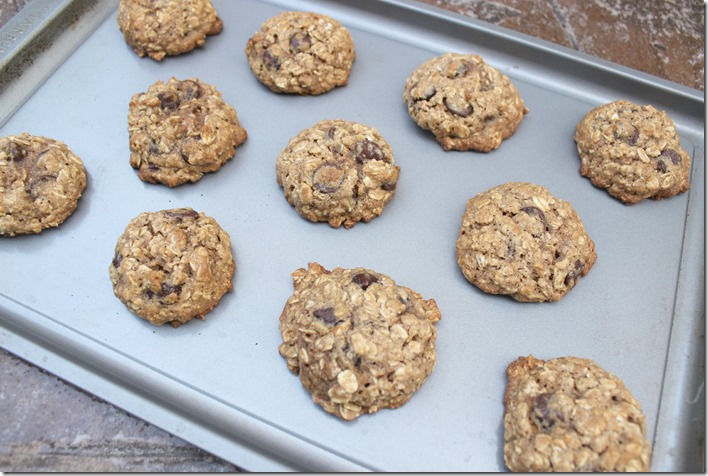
<point>221,384</point>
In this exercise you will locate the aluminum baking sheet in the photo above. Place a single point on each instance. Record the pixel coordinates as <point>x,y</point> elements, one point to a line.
<point>221,384</point>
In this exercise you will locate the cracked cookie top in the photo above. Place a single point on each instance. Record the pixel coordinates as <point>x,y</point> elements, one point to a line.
<point>569,415</point>
<point>632,151</point>
<point>518,239</point>
<point>41,181</point>
<point>358,341</point>
<point>301,53</point>
<point>159,28</point>
<point>338,171</point>
<point>180,130</point>
<point>466,103</point>
<point>172,266</point>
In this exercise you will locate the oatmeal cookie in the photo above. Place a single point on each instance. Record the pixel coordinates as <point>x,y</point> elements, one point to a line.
<point>569,415</point>
<point>41,181</point>
<point>466,103</point>
<point>172,266</point>
<point>632,151</point>
<point>518,239</point>
<point>338,171</point>
<point>159,28</point>
<point>301,53</point>
<point>358,341</point>
<point>181,130</point>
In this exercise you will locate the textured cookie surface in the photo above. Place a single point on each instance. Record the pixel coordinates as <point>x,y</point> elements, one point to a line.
<point>569,415</point>
<point>632,151</point>
<point>159,28</point>
<point>358,341</point>
<point>466,103</point>
<point>172,265</point>
<point>301,53</point>
<point>41,181</point>
<point>180,130</point>
<point>520,240</point>
<point>338,171</point>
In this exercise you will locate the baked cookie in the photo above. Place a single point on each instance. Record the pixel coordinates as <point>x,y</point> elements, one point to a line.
<point>41,181</point>
<point>338,171</point>
<point>160,28</point>
<point>301,53</point>
<point>520,240</point>
<point>632,151</point>
<point>172,265</point>
<point>358,341</point>
<point>466,103</point>
<point>181,130</point>
<point>567,415</point>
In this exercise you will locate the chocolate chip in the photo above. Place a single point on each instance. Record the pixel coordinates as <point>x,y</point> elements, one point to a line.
<point>117,259</point>
<point>426,94</point>
<point>190,90</point>
<point>168,289</point>
<point>634,137</point>
<point>544,414</point>
<point>35,186</point>
<point>458,109</point>
<point>271,60</point>
<point>331,132</point>
<point>661,166</point>
<point>672,155</point>
<point>367,150</point>
<point>364,280</point>
<point>458,69</point>
<point>574,274</point>
<point>300,42</point>
<point>389,187</point>
<point>168,101</point>
<point>181,213</point>
<point>535,212</point>
<point>326,314</point>
<point>327,178</point>
<point>153,168</point>
<point>16,151</point>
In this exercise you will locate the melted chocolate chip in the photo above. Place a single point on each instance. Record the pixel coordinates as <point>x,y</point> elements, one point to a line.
<point>364,280</point>
<point>300,42</point>
<point>672,155</point>
<point>367,150</point>
<point>544,414</point>
<point>117,260</point>
<point>661,166</point>
<point>16,151</point>
<point>35,186</point>
<point>168,101</point>
<point>190,90</point>
<point>427,94</point>
<point>326,314</point>
<point>634,137</point>
<point>327,178</point>
<point>462,111</point>
<point>168,289</point>
<point>331,132</point>
<point>535,212</point>
<point>271,60</point>
<point>574,274</point>
<point>181,213</point>
<point>389,187</point>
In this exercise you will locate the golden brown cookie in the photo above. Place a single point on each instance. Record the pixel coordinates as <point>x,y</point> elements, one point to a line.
<point>180,130</point>
<point>358,341</point>
<point>159,28</point>
<point>520,240</point>
<point>569,415</point>
<point>338,171</point>
<point>41,181</point>
<point>632,151</point>
<point>301,53</point>
<point>466,103</point>
<point>172,266</point>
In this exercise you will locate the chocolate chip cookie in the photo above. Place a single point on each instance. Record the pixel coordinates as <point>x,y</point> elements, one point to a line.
<point>159,28</point>
<point>466,103</point>
<point>172,266</point>
<point>632,151</point>
<point>518,239</point>
<point>41,181</point>
<point>181,130</point>
<point>301,53</point>
<point>338,171</point>
<point>569,415</point>
<point>358,341</point>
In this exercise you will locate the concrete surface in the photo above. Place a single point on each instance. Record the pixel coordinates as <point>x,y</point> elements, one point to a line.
<point>49,425</point>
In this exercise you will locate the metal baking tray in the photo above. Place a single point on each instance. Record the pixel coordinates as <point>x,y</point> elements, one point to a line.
<point>220,383</point>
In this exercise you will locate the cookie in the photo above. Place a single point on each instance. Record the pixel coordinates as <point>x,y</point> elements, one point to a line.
<point>41,181</point>
<point>518,239</point>
<point>301,53</point>
<point>358,341</point>
<point>632,151</point>
<point>568,414</point>
<point>466,103</point>
<point>172,266</point>
<point>180,130</point>
<point>159,28</point>
<point>338,171</point>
